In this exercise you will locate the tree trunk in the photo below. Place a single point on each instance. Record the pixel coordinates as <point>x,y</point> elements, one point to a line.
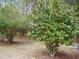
<point>10,39</point>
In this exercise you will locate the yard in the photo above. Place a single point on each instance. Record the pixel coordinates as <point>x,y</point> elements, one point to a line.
<point>39,29</point>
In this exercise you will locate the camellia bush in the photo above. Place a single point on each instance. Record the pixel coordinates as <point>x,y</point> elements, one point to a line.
<point>53,23</point>
<point>11,22</point>
<point>7,15</point>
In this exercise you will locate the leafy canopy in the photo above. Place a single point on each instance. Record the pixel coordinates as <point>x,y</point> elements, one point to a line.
<point>53,24</point>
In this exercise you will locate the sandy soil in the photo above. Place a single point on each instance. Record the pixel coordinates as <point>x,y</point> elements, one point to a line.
<point>26,49</point>
<point>20,49</point>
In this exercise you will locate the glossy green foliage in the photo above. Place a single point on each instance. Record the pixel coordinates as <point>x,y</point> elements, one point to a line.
<point>53,23</point>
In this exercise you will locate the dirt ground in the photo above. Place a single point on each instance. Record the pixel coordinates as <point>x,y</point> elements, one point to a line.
<point>23,49</point>
<point>27,49</point>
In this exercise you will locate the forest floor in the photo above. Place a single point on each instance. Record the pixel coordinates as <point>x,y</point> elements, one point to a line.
<point>27,49</point>
<point>23,49</point>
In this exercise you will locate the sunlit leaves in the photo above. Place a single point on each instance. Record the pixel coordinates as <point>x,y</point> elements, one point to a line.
<point>53,24</point>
